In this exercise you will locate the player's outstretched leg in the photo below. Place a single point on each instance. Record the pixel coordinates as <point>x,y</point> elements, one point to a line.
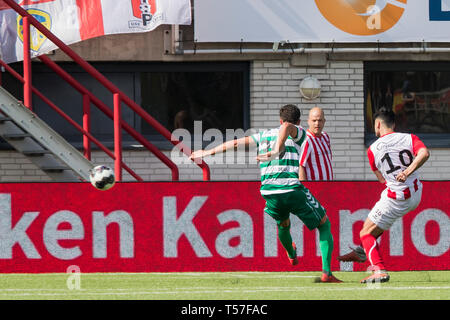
<point>313,215</point>
<point>379,273</point>
<point>284,234</point>
<point>355,255</point>
<point>326,248</point>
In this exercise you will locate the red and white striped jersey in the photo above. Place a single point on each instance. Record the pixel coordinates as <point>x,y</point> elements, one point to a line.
<point>316,157</point>
<point>391,154</point>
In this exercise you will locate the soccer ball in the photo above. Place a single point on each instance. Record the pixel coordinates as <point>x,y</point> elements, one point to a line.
<point>102,177</point>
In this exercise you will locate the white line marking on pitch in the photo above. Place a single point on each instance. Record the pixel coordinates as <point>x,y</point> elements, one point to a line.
<point>36,292</point>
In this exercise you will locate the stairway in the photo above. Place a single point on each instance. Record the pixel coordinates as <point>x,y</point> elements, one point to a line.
<point>31,136</point>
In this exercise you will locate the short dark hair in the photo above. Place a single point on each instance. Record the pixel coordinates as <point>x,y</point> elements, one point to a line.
<point>385,115</point>
<point>290,113</point>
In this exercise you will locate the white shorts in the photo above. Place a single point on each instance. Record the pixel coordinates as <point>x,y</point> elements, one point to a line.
<point>387,210</point>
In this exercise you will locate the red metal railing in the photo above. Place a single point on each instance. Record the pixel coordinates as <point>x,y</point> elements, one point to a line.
<point>88,98</point>
<point>27,94</point>
<point>118,97</point>
<point>69,119</point>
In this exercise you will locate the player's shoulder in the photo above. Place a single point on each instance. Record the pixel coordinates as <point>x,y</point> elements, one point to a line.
<point>269,132</point>
<point>399,137</point>
<point>374,145</point>
<point>325,135</point>
<point>300,129</point>
<point>390,140</point>
<point>301,134</point>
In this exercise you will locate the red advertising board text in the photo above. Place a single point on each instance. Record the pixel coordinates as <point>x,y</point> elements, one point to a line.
<point>201,226</point>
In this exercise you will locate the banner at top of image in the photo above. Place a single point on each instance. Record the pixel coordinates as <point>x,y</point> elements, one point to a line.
<point>322,20</point>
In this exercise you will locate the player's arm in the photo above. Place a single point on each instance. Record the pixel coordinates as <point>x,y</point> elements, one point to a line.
<point>301,173</point>
<point>374,168</point>
<point>287,129</point>
<point>305,152</point>
<point>380,176</point>
<point>228,145</point>
<point>422,156</point>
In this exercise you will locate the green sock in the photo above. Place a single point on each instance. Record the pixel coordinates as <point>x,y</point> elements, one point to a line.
<point>284,234</point>
<point>326,245</point>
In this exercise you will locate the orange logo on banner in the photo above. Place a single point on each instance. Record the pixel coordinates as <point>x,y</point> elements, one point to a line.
<point>362,17</point>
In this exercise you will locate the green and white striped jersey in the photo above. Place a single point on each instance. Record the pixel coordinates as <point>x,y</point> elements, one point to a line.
<point>281,174</point>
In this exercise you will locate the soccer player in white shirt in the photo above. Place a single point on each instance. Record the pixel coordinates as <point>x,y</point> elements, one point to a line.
<point>316,156</point>
<point>394,158</point>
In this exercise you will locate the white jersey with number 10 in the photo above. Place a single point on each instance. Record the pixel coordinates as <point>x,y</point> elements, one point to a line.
<point>391,154</point>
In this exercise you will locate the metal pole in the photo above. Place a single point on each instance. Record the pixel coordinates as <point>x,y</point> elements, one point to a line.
<point>117,138</point>
<point>27,94</point>
<point>87,125</point>
<point>175,39</point>
<point>319,50</point>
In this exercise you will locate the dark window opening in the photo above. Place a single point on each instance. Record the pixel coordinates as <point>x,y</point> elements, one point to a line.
<point>177,99</point>
<point>419,95</point>
<point>175,94</point>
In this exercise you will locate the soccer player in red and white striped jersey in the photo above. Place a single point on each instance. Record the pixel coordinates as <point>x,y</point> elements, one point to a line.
<point>316,156</point>
<point>394,158</point>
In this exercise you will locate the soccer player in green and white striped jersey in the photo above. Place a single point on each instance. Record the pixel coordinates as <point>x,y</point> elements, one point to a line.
<point>279,156</point>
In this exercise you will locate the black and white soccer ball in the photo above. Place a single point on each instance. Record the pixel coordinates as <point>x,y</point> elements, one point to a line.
<point>102,177</point>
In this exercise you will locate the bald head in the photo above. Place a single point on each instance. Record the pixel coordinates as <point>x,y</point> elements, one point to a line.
<point>316,120</point>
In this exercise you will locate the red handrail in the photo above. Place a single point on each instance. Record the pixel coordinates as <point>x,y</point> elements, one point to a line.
<point>117,136</point>
<point>27,95</point>
<point>107,84</point>
<point>86,125</point>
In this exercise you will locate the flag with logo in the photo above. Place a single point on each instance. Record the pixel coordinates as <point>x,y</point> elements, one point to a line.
<point>76,20</point>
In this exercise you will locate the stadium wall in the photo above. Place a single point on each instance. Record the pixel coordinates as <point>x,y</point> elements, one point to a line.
<point>191,226</point>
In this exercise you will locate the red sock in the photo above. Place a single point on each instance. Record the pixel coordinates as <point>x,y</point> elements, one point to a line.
<point>371,248</point>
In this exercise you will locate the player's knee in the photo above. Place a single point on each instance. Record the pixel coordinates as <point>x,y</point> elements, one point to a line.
<point>325,222</point>
<point>372,230</point>
<point>365,230</point>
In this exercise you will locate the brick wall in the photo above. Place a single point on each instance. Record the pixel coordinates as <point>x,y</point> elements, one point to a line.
<point>273,84</point>
<point>341,99</point>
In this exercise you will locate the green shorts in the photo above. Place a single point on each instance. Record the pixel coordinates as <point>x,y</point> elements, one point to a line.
<point>299,202</point>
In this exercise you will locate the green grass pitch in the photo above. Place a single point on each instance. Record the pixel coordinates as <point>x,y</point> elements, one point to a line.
<point>423,285</point>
